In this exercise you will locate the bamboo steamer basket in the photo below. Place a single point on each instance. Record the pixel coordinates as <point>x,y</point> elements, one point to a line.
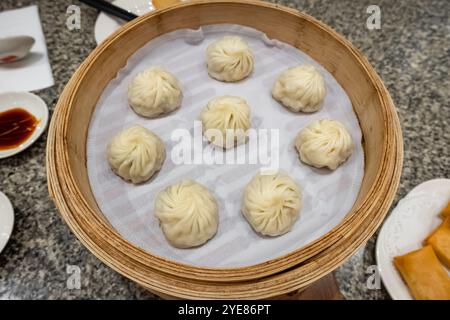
<point>69,184</point>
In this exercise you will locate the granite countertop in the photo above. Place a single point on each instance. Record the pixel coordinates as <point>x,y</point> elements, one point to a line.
<point>410,52</point>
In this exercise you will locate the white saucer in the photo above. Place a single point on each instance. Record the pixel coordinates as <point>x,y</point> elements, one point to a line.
<point>34,105</point>
<point>414,218</point>
<point>6,220</point>
<point>107,24</point>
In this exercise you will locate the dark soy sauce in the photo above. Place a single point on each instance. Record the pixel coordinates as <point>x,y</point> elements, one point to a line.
<point>16,126</point>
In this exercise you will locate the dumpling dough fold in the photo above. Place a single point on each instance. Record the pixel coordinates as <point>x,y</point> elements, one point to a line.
<point>324,143</point>
<point>229,117</point>
<point>188,214</point>
<point>154,92</point>
<point>272,203</point>
<point>301,89</point>
<point>136,154</point>
<point>229,59</point>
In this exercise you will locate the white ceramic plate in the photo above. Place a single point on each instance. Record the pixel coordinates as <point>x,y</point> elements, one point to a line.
<point>107,24</point>
<point>6,220</point>
<point>404,230</point>
<point>34,105</point>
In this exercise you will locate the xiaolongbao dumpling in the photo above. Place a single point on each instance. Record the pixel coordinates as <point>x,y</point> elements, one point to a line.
<point>229,59</point>
<point>154,92</point>
<point>135,154</point>
<point>272,203</point>
<point>188,214</point>
<point>301,89</point>
<point>226,120</point>
<point>324,143</point>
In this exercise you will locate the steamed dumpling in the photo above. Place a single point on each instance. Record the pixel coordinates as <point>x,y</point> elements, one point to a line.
<point>229,59</point>
<point>226,120</point>
<point>324,143</point>
<point>272,203</point>
<point>154,92</point>
<point>301,89</point>
<point>135,154</point>
<point>188,214</point>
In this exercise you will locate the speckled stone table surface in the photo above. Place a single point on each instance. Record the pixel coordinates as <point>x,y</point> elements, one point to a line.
<point>411,53</point>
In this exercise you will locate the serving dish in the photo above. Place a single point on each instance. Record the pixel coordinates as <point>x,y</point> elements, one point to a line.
<point>69,184</point>
<point>32,104</point>
<point>15,48</point>
<point>414,218</point>
<point>107,24</point>
<point>6,220</point>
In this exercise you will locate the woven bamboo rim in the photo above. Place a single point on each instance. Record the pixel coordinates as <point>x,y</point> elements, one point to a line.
<point>70,189</point>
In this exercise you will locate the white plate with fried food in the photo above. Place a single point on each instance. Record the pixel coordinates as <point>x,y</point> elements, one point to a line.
<point>409,224</point>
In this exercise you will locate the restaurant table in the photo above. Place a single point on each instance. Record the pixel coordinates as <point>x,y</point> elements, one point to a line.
<point>410,52</point>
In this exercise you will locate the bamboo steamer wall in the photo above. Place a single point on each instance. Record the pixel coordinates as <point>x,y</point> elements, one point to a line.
<point>69,184</point>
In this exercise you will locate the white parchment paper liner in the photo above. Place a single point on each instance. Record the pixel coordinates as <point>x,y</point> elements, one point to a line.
<point>327,195</point>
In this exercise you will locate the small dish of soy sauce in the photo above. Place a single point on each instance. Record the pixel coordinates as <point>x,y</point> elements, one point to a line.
<point>23,118</point>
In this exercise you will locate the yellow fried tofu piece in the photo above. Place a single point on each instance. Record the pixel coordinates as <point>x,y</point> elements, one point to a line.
<point>440,241</point>
<point>424,275</point>
<point>446,211</point>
